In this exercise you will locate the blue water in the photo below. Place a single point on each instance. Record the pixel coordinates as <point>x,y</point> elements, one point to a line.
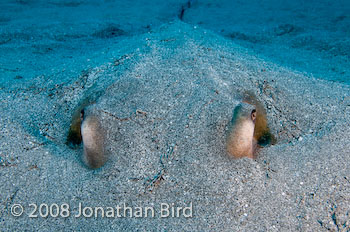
<point>61,39</point>
<point>308,36</point>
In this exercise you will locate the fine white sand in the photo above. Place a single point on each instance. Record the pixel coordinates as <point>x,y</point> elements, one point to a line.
<point>165,104</point>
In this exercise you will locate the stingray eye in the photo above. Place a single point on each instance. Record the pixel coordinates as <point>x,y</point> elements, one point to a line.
<point>253,115</point>
<point>82,114</point>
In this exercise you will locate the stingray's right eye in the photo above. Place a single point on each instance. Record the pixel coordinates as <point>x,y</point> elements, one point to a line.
<point>253,115</point>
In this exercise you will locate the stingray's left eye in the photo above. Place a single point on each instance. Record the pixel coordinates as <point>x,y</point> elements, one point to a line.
<point>82,112</point>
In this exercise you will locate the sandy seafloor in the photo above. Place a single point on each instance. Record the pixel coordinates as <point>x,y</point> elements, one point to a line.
<point>165,95</point>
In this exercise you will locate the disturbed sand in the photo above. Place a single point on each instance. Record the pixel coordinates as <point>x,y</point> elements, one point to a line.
<point>165,106</point>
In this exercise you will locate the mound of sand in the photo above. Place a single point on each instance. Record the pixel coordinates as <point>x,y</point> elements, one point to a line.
<point>165,107</point>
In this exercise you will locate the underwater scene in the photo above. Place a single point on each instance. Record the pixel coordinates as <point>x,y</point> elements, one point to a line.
<point>178,115</point>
